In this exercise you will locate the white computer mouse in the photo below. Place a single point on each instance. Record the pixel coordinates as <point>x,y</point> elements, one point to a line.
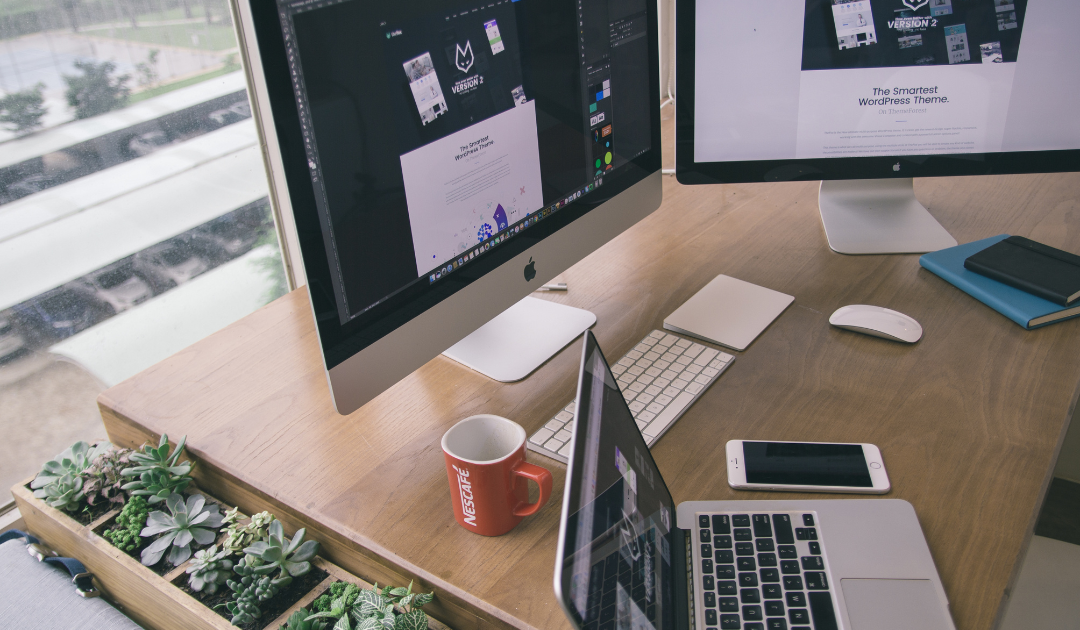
<point>877,321</point>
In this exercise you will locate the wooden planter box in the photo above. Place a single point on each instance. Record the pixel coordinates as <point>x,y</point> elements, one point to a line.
<point>151,600</point>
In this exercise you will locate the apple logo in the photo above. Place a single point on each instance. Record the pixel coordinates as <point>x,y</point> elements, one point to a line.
<point>896,167</point>
<point>530,270</point>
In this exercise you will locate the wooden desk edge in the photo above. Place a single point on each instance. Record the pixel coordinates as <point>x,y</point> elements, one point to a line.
<point>368,560</point>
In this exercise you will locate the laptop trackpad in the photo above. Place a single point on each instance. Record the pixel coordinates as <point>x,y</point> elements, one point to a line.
<point>893,605</point>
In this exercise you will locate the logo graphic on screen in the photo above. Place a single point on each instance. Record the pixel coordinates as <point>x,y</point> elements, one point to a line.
<point>915,5</point>
<point>463,58</point>
<point>530,270</point>
<point>484,232</point>
<point>500,217</point>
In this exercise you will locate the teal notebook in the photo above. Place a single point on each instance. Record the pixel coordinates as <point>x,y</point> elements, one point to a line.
<point>1028,310</point>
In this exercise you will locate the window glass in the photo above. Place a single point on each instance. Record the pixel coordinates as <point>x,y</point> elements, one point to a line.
<point>134,217</point>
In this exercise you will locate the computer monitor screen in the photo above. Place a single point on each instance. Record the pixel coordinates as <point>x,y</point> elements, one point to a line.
<point>781,90</point>
<point>425,146</point>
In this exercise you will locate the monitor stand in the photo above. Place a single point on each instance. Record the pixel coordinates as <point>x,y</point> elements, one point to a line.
<point>520,339</point>
<point>878,216</point>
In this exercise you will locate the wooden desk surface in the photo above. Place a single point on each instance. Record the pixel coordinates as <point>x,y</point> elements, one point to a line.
<point>969,419</point>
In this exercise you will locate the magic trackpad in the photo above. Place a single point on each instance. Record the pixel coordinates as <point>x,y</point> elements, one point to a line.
<point>894,605</point>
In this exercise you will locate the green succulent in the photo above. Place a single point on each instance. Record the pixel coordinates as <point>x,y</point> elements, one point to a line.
<point>348,590</point>
<point>190,521</point>
<point>158,473</point>
<point>124,534</point>
<point>240,536</point>
<point>250,590</point>
<point>60,483</point>
<point>209,569</point>
<point>299,621</point>
<point>278,553</point>
<point>102,480</point>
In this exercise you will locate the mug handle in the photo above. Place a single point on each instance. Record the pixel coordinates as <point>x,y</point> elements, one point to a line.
<point>542,478</point>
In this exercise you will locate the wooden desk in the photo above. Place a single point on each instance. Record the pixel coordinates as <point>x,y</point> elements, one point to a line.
<point>969,420</point>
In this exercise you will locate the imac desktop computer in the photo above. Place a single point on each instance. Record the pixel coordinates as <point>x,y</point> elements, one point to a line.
<point>443,160</point>
<point>867,94</point>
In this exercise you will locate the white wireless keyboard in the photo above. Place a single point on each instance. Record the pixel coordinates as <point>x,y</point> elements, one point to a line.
<point>660,377</point>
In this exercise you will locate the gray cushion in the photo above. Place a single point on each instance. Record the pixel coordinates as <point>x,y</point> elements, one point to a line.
<point>40,596</point>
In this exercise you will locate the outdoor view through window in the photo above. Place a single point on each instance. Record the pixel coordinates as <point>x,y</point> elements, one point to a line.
<point>134,217</point>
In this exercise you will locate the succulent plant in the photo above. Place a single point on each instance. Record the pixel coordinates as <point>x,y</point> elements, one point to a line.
<point>209,569</point>
<point>59,483</point>
<point>124,534</point>
<point>157,472</point>
<point>278,553</point>
<point>250,590</point>
<point>189,521</point>
<point>102,479</point>
<point>299,621</point>
<point>240,536</point>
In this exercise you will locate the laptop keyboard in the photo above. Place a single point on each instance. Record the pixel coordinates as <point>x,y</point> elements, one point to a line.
<point>762,572</point>
<point>659,378</point>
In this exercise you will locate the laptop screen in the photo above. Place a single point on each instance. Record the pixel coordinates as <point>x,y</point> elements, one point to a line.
<point>615,570</point>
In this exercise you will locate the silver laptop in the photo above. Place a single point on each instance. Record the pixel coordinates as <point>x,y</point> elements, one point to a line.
<point>629,559</point>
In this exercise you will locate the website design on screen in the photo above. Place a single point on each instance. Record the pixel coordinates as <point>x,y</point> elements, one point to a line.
<point>857,78</point>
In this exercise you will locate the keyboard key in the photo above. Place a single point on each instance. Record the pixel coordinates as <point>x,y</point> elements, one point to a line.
<point>679,383</point>
<point>816,581</point>
<point>770,575</point>
<point>708,582</point>
<point>692,369</point>
<point>706,548</point>
<point>766,559</point>
<point>747,564</point>
<point>710,599</point>
<point>754,625</point>
<point>565,416</point>
<point>725,556</point>
<point>728,587</point>
<point>721,524</point>
<point>707,355</point>
<point>741,520</point>
<point>694,388</point>
<point>774,609</point>
<point>764,544</point>
<point>744,549</point>
<point>752,613</point>
<point>771,591</point>
<point>812,563</point>
<point>798,615</point>
<point>646,416</point>
<point>633,355</point>
<point>541,436</point>
<point>789,567</point>
<point>703,534</point>
<point>748,579</point>
<point>743,533</point>
<point>749,596</point>
<point>706,565</point>
<point>729,604</point>
<point>730,622</point>
<point>792,583</point>
<point>724,357</point>
<point>805,533</point>
<point>565,450</point>
<point>554,425</point>
<point>776,624</point>
<point>725,571</point>
<point>782,524</point>
<point>796,599</point>
<point>762,526</point>
<point>815,548</point>
<point>722,542</point>
<point>808,520</point>
<point>663,399</point>
<point>821,609</point>
<point>710,617</point>
<point>787,551</point>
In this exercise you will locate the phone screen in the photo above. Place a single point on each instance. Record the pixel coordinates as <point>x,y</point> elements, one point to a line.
<point>796,464</point>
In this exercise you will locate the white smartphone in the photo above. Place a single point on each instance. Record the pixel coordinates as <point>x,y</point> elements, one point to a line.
<point>806,467</point>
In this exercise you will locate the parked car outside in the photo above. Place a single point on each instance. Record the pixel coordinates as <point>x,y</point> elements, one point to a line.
<point>117,285</point>
<point>177,260</point>
<point>147,143</point>
<point>229,233</point>
<point>11,342</point>
<point>60,313</point>
<point>234,113</point>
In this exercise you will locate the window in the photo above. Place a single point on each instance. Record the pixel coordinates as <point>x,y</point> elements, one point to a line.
<point>134,217</point>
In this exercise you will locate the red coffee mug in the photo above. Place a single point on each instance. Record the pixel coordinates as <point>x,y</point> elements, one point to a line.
<point>489,488</point>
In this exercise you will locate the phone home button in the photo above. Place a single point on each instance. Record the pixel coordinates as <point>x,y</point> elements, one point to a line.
<point>875,465</point>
